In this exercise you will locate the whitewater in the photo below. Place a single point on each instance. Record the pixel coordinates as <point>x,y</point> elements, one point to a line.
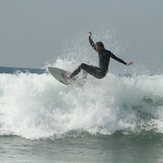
<point>36,106</point>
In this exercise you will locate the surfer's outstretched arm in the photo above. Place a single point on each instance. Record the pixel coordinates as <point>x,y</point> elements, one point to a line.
<point>91,41</point>
<point>120,60</point>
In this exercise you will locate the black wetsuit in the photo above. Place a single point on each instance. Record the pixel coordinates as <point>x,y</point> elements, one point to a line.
<point>104,59</point>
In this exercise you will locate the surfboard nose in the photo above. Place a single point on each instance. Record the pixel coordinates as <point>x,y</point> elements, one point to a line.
<point>50,68</point>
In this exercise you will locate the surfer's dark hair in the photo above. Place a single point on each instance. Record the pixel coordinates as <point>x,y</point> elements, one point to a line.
<point>99,43</point>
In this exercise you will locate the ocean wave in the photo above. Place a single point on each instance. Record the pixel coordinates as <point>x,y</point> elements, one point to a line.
<point>37,106</point>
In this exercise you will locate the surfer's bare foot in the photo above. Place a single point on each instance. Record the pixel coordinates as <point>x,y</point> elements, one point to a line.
<point>65,76</point>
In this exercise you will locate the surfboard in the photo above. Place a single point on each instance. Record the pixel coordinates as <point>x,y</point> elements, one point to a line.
<point>57,73</point>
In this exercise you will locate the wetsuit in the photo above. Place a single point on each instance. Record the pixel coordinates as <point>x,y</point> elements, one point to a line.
<point>104,59</point>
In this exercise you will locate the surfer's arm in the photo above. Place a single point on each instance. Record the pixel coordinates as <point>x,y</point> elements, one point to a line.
<point>120,60</point>
<point>91,41</point>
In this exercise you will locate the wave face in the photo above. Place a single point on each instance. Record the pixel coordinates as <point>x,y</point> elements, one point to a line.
<point>37,106</point>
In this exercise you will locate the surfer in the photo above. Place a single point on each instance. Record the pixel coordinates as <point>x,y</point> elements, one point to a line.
<point>104,59</point>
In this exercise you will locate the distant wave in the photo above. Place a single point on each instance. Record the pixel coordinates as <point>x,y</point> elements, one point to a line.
<point>12,70</point>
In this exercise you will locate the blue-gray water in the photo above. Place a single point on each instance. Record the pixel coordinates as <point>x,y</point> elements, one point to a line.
<point>117,119</point>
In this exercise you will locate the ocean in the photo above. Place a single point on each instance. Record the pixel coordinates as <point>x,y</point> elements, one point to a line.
<point>118,119</point>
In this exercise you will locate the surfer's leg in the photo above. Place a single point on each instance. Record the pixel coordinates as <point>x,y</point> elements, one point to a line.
<point>92,70</point>
<point>84,74</point>
<point>76,71</point>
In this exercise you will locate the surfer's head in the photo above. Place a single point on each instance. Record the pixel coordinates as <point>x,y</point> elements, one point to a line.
<point>99,46</point>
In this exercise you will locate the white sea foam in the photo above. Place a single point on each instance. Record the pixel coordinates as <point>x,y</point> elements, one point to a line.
<point>37,106</point>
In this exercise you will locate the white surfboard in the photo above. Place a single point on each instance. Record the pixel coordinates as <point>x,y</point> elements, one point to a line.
<point>57,74</point>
